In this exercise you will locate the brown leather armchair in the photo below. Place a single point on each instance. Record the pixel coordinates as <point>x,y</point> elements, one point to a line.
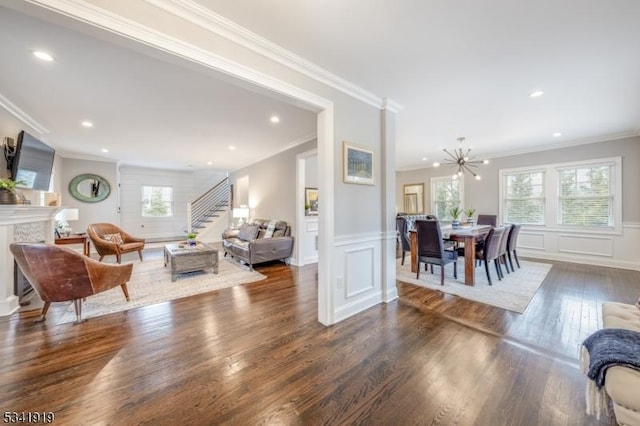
<point>105,247</point>
<point>59,274</point>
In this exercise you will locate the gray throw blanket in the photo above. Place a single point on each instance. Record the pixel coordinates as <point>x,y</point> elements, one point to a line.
<point>606,348</point>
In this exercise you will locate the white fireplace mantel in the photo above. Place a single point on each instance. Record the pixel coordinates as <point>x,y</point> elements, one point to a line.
<point>24,223</point>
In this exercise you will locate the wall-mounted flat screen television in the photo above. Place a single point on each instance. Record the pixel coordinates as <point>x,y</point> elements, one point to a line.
<point>33,163</point>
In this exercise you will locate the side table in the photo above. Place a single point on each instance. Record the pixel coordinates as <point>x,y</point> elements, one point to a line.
<point>76,239</point>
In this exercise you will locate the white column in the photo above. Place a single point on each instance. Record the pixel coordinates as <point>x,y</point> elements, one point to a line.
<point>389,289</point>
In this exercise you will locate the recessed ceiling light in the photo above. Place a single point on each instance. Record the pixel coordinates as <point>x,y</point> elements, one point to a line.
<point>43,56</point>
<point>232,147</point>
<point>424,158</point>
<point>536,94</point>
<point>275,119</point>
<point>209,163</point>
<point>104,150</point>
<point>87,124</point>
<point>557,134</point>
<point>436,164</point>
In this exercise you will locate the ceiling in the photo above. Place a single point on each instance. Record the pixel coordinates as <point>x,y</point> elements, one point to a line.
<point>460,68</point>
<point>149,111</point>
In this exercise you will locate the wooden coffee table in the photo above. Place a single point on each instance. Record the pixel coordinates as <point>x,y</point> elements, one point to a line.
<point>185,258</point>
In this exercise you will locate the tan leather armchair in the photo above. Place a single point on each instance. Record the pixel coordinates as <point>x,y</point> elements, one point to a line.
<point>104,247</point>
<point>59,274</point>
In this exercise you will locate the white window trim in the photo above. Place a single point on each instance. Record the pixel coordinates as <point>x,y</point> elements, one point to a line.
<point>173,213</point>
<point>432,200</point>
<point>552,207</point>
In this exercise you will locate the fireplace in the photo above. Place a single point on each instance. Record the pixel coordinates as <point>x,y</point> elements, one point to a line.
<point>20,223</point>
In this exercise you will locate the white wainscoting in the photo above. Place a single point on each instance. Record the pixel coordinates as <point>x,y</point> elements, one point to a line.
<point>358,273</point>
<point>613,250</point>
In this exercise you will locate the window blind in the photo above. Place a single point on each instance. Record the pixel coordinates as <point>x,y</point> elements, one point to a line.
<point>585,196</point>
<point>524,200</point>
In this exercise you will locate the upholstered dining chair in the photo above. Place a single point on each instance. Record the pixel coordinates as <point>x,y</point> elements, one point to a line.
<point>109,239</point>
<point>59,274</point>
<point>430,248</point>
<point>502,252</point>
<point>490,250</point>
<point>487,219</point>
<point>512,243</point>
<point>403,235</point>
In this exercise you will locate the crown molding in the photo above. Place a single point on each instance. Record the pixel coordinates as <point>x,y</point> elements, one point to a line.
<point>205,18</point>
<point>545,147</point>
<point>22,116</point>
<point>392,106</point>
<point>101,18</point>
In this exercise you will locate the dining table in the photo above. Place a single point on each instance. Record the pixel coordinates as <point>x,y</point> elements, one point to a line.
<point>468,235</point>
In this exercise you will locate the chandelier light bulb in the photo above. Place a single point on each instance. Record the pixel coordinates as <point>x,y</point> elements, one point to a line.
<point>436,164</point>
<point>485,161</point>
<point>455,176</point>
<point>466,158</point>
<point>478,177</point>
<point>459,172</point>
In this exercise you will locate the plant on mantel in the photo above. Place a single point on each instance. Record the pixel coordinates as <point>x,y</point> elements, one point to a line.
<point>8,191</point>
<point>8,185</point>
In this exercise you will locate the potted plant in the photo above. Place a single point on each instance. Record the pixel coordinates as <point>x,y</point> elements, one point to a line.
<point>191,238</point>
<point>469,214</point>
<point>307,209</point>
<point>455,213</point>
<point>8,191</point>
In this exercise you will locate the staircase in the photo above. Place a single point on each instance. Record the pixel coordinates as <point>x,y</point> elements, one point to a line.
<point>209,207</point>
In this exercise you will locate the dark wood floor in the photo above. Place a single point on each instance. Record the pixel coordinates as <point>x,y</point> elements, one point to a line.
<point>255,354</point>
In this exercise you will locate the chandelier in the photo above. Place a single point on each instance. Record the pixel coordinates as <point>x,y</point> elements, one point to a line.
<point>461,161</point>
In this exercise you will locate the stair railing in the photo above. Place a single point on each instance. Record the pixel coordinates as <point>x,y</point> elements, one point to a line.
<point>209,204</point>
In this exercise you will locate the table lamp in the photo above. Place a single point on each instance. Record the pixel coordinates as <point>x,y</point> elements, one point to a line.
<point>241,213</point>
<point>63,217</point>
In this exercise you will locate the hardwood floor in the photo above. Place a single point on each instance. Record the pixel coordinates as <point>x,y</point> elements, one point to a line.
<point>255,354</point>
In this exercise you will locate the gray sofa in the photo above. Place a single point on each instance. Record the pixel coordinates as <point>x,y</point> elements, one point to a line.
<point>252,244</point>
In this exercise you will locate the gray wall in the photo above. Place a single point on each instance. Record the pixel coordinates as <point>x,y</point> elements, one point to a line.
<point>483,194</point>
<point>272,185</point>
<point>104,211</point>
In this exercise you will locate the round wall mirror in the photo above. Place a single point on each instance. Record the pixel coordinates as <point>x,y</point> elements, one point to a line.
<point>89,188</point>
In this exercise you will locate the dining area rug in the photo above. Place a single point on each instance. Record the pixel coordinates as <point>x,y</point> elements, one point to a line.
<point>513,292</point>
<point>151,284</point>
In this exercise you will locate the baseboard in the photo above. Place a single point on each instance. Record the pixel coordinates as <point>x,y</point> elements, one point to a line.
<point>350,309</point>
<point>610,263</point>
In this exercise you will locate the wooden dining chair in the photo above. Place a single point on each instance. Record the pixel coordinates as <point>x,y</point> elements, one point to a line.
<point>431,248</point>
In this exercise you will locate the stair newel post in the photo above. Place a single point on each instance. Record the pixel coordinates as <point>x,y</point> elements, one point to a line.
<point>189,222</point>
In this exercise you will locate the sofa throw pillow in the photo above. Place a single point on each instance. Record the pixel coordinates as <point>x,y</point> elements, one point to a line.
<point>248,232</point>
<point>270,228</point>
<point>114,238</point>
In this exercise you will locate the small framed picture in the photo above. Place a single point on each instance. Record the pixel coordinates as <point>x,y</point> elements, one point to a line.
<point>311,200</point>
<point>358,164</point>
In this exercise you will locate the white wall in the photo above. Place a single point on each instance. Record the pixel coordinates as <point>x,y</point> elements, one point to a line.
<point>187,186</point>
<point>582,247</point>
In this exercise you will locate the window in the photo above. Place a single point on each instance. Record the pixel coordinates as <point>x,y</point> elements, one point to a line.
<point>568,196</point>
<point>157,201</point>
<point>524,198</point>
<point>585,196</point>
<point>446,193</point>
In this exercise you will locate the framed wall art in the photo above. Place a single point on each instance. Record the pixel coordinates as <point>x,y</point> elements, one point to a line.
<point>311,200</point>
<point>358,164</point>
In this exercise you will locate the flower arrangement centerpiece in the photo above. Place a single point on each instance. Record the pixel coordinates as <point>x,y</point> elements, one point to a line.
<point>455,213</point>
<point>191,238</point>
<point>469,214</point>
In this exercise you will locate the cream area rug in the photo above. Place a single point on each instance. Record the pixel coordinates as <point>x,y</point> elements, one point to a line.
<point>513,293</point>
<point>151,283</point>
